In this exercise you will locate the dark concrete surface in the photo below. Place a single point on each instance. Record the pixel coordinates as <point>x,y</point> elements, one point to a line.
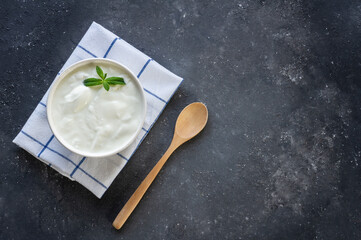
<point>279,159</point>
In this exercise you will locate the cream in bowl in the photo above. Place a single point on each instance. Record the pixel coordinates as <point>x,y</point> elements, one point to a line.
<point>92,118</point>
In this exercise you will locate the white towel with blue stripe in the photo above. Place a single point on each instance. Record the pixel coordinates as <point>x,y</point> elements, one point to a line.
<point>96,174</point>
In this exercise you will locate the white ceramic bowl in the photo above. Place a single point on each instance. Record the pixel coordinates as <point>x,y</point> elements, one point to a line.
<point>69,70</point>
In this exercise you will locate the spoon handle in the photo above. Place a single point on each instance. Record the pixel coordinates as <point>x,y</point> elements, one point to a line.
<point>143,187</point>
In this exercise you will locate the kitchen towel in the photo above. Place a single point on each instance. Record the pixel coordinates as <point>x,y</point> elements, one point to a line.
<point>96,174</point>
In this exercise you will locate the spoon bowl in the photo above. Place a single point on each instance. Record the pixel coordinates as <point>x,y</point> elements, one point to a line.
<point>191,120</point>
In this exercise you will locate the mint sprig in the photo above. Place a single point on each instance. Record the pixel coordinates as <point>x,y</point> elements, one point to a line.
<point>103,80</point>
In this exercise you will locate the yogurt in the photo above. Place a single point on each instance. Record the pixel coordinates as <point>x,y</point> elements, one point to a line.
<point>91,119</point>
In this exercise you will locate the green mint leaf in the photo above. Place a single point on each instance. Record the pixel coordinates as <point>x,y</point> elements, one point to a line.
<point>100,72</point>
<point>115,81</point>
<point>104,80</point>
<point>92,82</point>
<point>106,85</point>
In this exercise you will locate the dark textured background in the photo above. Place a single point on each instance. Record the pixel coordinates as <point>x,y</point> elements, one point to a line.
<point>279,159</point>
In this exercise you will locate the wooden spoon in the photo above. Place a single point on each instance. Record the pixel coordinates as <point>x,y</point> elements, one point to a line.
<point>190,122</point>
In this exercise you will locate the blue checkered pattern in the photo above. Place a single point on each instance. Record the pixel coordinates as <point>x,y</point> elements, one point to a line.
<point>96,174</point>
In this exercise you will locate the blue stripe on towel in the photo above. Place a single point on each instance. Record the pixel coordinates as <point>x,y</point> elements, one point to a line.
<point>87,51</point>
<point>46,145</point>
<point>77,166</point>
<point>120,155</point>
<point>145,65</point>
<point>96,180</point>
<point>110,47</point>
<point>43,104</point>
<point>154,95</point>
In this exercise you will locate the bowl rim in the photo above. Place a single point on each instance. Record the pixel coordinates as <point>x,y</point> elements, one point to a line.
<point>61,77</point>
